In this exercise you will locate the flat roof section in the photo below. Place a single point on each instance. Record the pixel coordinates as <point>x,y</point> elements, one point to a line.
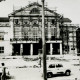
<point>4,19</point>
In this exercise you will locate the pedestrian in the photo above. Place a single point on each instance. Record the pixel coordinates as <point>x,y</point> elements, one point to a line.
<point>40,61</point>
<point>39,53</point>
<point>3,76</point>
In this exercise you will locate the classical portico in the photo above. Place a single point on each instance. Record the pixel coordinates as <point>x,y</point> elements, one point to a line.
<point>32,48</point>
<point>59,47</point>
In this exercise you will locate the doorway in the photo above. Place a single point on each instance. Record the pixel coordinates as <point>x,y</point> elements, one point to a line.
<point>48,48</point>
<point>16,49</point>
<point>56,48</point>
<point>26,49</point>
<point>35,48</point>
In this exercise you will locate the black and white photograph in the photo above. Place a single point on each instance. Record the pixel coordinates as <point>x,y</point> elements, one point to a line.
<point>39,39</point>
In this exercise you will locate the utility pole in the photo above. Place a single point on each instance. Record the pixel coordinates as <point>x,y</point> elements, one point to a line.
<point>44,43</point>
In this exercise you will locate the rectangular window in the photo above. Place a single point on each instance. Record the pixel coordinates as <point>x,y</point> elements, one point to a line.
<point>1,36</point>
<point>59,65</point>
<point>1,49</point>
<point>16,21</point>
<point>65,34</point>
<point>66,48</point>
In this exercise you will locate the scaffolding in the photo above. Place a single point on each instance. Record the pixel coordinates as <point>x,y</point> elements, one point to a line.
<point>69,37</point>
<point>33,20</point>
<point>28,26</point>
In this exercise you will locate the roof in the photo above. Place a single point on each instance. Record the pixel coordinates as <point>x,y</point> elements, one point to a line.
<point>66,20</point>
<point>30,5</point>
<point>4,19</point>
<point>37,4</point>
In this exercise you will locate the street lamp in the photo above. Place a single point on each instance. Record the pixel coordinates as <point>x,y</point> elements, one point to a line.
<point>44,43</point>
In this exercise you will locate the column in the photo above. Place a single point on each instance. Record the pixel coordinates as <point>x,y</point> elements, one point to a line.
<point>58,31</point>
<point>75,50</point>
<point>21,49</point>
<point>61,48</point>
<point>31,49</point>
<point>12,28</point>
<point>51,49</point>
<point>49,31</point>
<point>12,50</point>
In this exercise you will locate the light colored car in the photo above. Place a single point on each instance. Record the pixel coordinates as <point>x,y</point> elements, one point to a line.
<point>58,68</point>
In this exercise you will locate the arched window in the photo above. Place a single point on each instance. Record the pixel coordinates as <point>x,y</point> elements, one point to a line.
<point>35,23</point>
<point>34,11</point>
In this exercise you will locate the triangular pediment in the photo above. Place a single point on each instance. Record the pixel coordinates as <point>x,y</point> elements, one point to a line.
<point>32,9</point>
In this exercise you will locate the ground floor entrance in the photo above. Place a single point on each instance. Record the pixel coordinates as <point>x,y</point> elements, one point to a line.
<point>26,49</point>
<point>16,49</point>
<point>56,49</point>
<point>34,49</point>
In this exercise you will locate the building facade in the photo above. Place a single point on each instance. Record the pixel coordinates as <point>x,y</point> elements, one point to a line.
<point>23,33</point>
<point>5,46</point>
<point>69,38</point>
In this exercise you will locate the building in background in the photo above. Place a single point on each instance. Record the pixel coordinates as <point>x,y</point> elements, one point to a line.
<point>69,40</point>
<point>23,32</point>
<point>5,46</point>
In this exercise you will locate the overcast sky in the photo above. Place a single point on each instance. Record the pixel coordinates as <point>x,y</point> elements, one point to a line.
<point>69,8</point>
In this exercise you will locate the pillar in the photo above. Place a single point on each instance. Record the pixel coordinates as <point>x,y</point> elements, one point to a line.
<point>49,31</point>
<point>21,49</point>
<point>58,31</point>
<point>75,50</point>
<point>51,49</point>
<point>61,48</point>
<point>31,49</point>
<point>12,28</point>
<point>12,50</point>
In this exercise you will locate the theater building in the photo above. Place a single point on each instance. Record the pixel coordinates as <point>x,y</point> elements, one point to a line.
<point>23,33</point>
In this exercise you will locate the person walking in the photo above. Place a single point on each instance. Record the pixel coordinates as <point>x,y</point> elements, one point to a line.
<point>3,76</point>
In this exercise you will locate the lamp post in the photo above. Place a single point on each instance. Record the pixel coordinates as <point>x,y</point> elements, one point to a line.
<point>44,43</point>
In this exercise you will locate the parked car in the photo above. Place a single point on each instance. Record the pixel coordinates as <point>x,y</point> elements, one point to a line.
<point>78,54</point>
<point>58,68</point>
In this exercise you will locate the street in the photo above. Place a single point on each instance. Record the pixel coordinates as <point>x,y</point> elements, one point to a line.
<point>36,74</point>
<point>30,70</point>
